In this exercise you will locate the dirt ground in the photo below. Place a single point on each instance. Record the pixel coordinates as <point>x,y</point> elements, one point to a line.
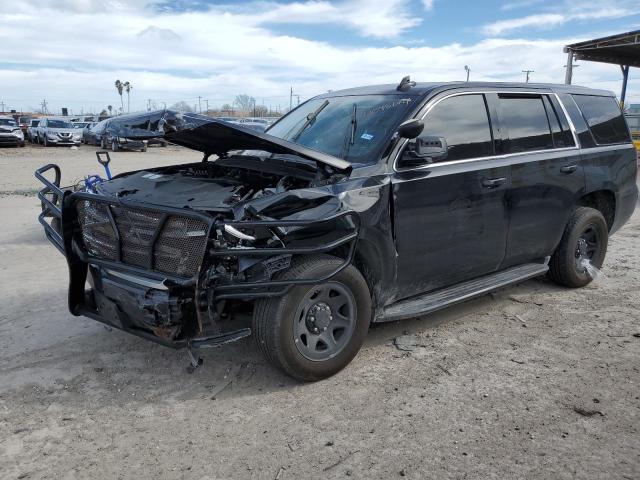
<point>534,381</point>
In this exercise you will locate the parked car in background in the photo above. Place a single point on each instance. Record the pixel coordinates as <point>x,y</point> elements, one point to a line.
<point>93,135</point>
<point>83,119</point>
<point>23,123</point>
<point>84,127</point>
<point>57,131</point>
<point>132,132</point>
<point>10,132</point>
<point>32,130</point>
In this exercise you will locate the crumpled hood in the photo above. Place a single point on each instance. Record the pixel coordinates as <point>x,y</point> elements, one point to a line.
<point>217,137</point>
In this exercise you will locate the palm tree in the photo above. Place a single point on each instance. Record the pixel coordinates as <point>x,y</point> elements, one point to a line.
<point>127,88</point>
<point>109,107</point>
<point>120,88</point>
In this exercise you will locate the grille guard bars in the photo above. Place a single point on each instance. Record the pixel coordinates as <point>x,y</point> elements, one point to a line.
<point>61,207</point>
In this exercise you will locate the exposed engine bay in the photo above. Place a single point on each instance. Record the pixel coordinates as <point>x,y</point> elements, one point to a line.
<point>217,186</point>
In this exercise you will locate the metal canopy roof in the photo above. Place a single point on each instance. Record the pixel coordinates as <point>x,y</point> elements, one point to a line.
<point>622,49</point>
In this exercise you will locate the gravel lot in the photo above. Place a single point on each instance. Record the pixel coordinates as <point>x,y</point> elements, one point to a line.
<point>534,381</point>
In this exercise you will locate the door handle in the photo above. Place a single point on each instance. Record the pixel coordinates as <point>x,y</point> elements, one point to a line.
<point>493,182</point>
<point>568,169</point>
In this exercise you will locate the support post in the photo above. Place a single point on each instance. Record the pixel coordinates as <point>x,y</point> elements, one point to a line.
<point>625,77</point>
<point>569,73</point>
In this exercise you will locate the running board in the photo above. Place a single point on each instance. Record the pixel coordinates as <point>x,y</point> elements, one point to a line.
<point>432,301</point>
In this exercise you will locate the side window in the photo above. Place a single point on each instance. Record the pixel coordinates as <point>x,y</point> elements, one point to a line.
<point>525,120</point>
<point>604,117</point>
<point>463,122</point>
<point>560,130</point>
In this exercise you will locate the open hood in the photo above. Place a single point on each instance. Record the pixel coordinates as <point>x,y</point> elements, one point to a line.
<point>216,137</point>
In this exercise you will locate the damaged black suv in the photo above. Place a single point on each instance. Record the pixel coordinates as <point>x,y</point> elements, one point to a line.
<point>365,205</point>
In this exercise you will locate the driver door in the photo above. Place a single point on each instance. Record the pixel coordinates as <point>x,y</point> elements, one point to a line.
<point>451,218</point>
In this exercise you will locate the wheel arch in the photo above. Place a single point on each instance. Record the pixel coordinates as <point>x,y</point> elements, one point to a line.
<point>602,200</point>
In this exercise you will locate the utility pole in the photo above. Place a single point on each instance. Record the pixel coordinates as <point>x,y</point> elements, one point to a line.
<point>468,70</point>
<point>199,104</point>
<point>43,104</point>
<point>206,100</point>
<point>568,76</point>
<point>291,98</point>
<point>527,72</point>
<point>2,107</point>
<point>148,104</point>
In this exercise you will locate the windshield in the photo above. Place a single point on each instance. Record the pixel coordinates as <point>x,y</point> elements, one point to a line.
<point>59,124</point>
<point>7,122</point>
<point>355,128</point>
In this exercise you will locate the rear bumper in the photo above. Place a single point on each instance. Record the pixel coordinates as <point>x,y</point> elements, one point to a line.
<point>167,309</point>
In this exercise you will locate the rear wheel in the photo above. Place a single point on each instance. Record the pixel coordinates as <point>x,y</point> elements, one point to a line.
<point>583,246</point>
<point>314,331</point>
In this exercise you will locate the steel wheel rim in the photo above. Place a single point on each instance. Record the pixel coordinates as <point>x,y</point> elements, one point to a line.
<point>586,248</point>
<point>324,322</point>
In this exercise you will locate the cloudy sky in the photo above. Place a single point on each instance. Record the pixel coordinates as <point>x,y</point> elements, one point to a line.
<point>70,52</point>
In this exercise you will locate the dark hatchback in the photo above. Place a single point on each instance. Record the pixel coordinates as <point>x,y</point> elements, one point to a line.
<point>365,205</point>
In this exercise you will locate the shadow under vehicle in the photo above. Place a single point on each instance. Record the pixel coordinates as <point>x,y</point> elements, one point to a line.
<point>364,205</point>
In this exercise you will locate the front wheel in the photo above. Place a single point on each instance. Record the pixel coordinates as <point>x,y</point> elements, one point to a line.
<point>114,146</point>
<point>583,247</point>
<point>45,142</point>
<point>314,331</point>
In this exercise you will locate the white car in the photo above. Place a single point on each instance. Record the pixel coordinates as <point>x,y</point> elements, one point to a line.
<point>58,131</point>
<point>10,132</point>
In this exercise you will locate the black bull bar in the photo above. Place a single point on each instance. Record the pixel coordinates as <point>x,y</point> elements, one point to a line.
<point>63,232</point>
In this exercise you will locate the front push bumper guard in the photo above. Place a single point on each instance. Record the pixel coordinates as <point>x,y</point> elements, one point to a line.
<point>58,203</point>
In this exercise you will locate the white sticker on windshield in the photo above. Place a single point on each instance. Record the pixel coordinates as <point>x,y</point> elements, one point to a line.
<point>366,136</point>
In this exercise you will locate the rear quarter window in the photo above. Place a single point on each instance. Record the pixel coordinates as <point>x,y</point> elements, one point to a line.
<point>604,117</point>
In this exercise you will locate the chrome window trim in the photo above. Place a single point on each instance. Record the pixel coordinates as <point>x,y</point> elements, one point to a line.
<point>432,103</point>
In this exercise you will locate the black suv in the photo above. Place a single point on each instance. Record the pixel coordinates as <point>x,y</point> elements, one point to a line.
<point>365,205</point>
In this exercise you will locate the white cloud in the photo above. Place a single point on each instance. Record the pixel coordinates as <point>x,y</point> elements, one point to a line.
<point>561,14</point>
<point>218,54</point>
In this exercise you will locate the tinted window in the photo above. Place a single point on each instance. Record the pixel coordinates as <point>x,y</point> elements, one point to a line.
<point>525,120</point>
<point>562,136</point>
<point>582,129</point>
<point>604,117</point>
<point>464,123</point>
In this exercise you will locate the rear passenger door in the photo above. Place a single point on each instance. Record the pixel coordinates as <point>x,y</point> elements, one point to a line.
<point>547,175</point>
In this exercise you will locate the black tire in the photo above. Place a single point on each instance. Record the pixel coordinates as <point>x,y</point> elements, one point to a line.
<point>45,142</point>
<point>274,319</point>
<point>585,237</point>
<point>114,146</point>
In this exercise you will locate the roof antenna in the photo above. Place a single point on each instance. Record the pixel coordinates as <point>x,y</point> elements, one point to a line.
<point>405,84</point>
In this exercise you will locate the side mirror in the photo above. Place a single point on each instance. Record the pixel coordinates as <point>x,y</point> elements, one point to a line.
<point>424,150</point>
<point>411,128</point>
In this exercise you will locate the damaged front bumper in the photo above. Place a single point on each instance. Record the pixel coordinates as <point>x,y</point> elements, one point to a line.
<point>178,308</point>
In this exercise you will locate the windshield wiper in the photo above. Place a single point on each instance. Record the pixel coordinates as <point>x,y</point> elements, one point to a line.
<point>352,134</point>
<point>310,119</point>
